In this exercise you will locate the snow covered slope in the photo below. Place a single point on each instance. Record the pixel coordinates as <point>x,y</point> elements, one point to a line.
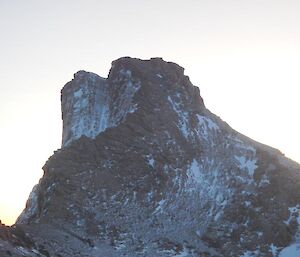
<point>146,170</point>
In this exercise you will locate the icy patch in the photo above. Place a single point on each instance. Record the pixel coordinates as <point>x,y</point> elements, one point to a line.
<point>246,164</point>
<point>183,117</point>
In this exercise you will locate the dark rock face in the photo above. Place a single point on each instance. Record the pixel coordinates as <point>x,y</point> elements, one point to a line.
<point>146,170</point>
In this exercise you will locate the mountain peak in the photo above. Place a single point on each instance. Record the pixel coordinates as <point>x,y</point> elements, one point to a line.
<point>155,64</point>
<point>146,170</point>
<point>148,68</point>
<point>91,104</point>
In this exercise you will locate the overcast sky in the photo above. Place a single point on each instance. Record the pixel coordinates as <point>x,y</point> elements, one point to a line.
<point>243,55</point>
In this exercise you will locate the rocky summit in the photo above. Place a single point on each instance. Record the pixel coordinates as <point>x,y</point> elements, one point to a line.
<point>146,170</point>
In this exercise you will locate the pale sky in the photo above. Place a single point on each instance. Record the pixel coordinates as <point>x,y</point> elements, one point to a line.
<point>244,56</point>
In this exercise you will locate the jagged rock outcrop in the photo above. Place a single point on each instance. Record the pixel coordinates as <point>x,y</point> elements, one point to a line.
<point>146,170</point>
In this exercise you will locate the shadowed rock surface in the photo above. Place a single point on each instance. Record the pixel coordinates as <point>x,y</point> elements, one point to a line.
<point>146,170</point>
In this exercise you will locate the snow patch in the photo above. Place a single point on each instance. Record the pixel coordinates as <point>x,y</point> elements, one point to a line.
<point>294,213</point>
<point>183,117</point>
<point>247,203</point>
<point>150,160</point>
<point>202,182</point>
<point>195,173</point>
<point>238,143</point>
<point>208,123</point>
<point>246,164</point>
<point>259,233</point>
<point>255,253</point>
<point>273,250</point>
<point>264,181</point>
<point>290,251</point>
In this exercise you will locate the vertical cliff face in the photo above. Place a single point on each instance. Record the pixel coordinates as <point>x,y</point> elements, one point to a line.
<point>146,170</point>
<point>90,104</point>
<point>85,108</point>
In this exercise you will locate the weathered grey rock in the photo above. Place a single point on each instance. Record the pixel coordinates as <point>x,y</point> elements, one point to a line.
<point>146,170</point>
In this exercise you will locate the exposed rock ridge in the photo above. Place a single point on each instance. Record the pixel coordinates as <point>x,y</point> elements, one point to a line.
<point>91,104</point>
